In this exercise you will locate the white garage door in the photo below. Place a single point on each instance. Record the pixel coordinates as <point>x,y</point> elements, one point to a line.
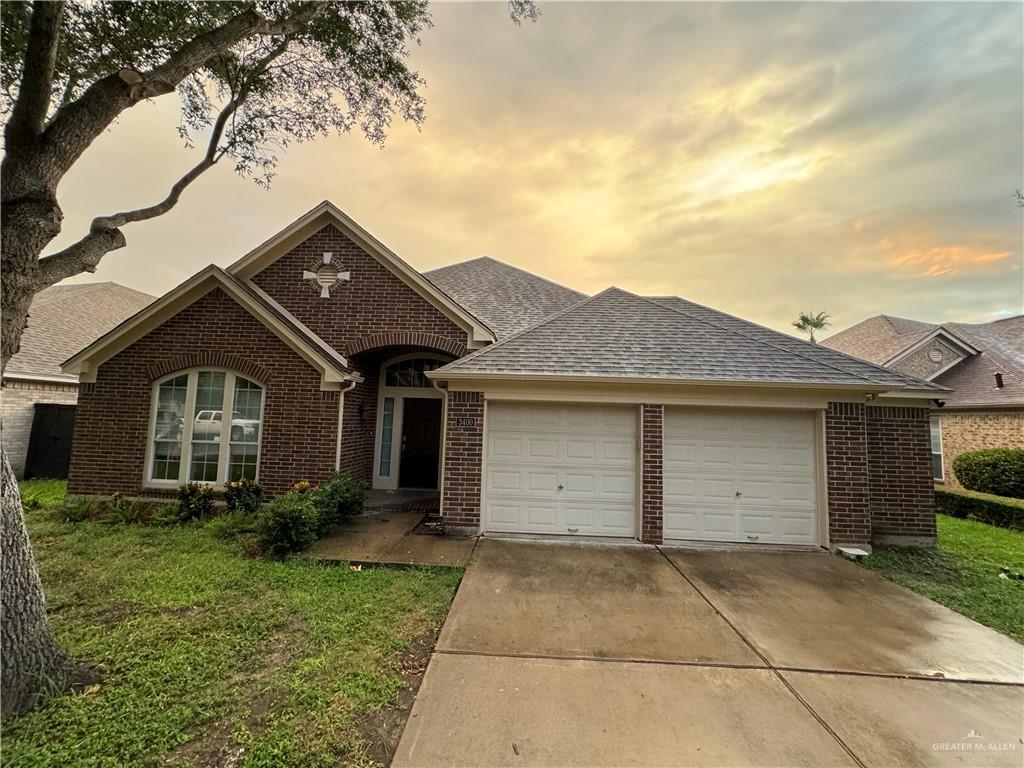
<point>563,469</point>
<point>740,475</point>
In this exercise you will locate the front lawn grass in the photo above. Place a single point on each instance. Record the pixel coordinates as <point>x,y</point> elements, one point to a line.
<point>963,573</point>
<point>208,656</point>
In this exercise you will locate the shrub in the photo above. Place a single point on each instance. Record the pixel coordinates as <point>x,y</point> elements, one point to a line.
<point>195,502</point>
<point>984,507</point>
<point>243,496</point>
<point>287,524</point>
<point>303,486</point>
<point>232,524</point>
<point>999,471</point>
<point>75,509</point>
<point>337,500</point>
<point>117,509</point>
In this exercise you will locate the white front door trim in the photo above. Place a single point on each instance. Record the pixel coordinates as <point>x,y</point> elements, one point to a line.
<point>398,396</point>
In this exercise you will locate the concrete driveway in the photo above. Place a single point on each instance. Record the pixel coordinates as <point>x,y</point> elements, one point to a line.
<point>571,655</point>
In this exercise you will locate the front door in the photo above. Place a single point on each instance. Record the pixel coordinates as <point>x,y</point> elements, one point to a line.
<point>421,442</point>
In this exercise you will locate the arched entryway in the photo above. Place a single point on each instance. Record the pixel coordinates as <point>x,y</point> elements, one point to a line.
<point>407,445</point>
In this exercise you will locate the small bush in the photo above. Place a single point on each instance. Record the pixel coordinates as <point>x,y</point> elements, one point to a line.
<point>983,507</point>
<point>165,514</point>
<point>243,496</point>
<point>287,524</point>
<point>195,502</point>
<point>303,486</point>
<point>119,510</point>
<point>75,509</point>
<point>337,500</point>
<point>999,471</point>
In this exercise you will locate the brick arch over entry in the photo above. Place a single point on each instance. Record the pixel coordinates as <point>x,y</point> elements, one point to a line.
<point>407,339</point>
<point>236,363</point>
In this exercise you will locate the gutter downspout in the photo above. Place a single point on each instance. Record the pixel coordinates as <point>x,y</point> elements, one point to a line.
<point>341,418</point>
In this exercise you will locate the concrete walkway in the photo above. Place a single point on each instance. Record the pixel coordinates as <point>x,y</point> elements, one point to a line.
<point>566,655</point>
<point>388,538</point>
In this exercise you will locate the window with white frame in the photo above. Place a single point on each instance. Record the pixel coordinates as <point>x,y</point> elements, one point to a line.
<point>936,448</point>
<point>190,438</point>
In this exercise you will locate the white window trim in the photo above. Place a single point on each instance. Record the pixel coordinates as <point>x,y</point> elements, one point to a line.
<point>186,429</point>
<point>398,394</point>
<point>942,464</point>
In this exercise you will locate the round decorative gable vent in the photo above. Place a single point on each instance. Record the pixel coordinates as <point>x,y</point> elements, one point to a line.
<point>325,275</point>
<point>935,355</point>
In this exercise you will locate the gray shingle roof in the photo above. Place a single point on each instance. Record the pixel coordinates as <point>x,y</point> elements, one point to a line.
<point>1001,346</point>
<point>619,334</point>
<point>505,298</point>
<point>65,318</point>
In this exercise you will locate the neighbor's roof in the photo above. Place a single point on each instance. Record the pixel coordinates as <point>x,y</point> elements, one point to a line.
<point>1000,347</point>
<point>506,298</point>
<point>65,318</point>
<point>617,334</point>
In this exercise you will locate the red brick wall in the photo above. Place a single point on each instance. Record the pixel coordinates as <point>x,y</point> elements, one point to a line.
<point>900,472</point>
<point>652,494</point>
<point>299,421</point>
<point>846,459</point>
<point>463,456</point>
<point>374,301</point>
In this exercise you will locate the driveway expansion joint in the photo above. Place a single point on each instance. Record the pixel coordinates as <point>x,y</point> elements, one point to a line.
<point>806,705</point>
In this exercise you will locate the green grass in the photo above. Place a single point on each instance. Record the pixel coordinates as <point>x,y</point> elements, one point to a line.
<point>963,573</point>
<point>205,653</point>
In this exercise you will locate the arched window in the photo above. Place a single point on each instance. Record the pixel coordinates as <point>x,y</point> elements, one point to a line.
<point>190,438</point>
<point>411,372</point>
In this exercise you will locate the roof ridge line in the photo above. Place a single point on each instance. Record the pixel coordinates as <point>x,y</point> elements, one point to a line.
<point>506,264</point>
<point>551,318</point>
<point>766,343</point>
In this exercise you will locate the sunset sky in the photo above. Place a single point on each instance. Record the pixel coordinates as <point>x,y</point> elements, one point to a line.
<point>763,159</point>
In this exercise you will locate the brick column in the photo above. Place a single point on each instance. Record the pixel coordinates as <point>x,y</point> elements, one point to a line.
<point>902,495</point>
<point>846,460</point>
<point>463,456</point>
<point>652,494</point>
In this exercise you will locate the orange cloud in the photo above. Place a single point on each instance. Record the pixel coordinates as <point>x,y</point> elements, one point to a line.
<point>917,253</point>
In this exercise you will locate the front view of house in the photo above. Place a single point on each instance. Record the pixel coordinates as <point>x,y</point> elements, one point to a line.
<point>531,408</point>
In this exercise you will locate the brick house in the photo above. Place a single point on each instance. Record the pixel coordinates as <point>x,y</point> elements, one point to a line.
<point>528,406</point>
<point>982,363</point>
<point>38,398</point>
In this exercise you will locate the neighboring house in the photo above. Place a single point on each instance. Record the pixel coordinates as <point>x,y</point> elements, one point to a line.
<point>983,363</point>
<point>531,407</point>
<point>62,319</point>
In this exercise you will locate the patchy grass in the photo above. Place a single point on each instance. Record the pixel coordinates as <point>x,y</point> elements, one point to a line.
<point>209,657</point>
<point>964,572</point>
<point>42,494</point>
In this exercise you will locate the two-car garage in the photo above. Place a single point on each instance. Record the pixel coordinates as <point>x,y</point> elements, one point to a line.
<point>729,474</point>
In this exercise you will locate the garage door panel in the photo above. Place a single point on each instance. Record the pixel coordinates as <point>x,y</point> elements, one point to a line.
<point>562,467</point>
<point>769,457</point>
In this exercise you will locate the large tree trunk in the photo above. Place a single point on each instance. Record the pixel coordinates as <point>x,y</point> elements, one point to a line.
<point>33,664</point>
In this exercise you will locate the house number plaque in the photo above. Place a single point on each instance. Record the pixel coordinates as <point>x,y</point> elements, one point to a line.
<point>465,421</point>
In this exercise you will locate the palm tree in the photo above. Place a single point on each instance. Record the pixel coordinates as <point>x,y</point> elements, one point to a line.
<point>808,323</point>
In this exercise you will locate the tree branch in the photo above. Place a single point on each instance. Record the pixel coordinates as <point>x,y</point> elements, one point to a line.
<point>29,112</point>
<point>105,233</point>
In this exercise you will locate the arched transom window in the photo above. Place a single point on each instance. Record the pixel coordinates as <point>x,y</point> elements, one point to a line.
<point>411,372</point>
<point>191,440</point>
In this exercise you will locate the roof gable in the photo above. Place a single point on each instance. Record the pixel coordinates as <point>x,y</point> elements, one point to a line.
<point>619,335</point>
<point>333,367</point>
<point>327,213</point>
<point>505,297</point>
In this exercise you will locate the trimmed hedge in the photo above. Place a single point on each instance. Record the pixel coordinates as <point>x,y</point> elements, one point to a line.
<point>999,471</point>
<point>983,507</point>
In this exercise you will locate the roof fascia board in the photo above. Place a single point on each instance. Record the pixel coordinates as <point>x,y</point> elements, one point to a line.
<point>442,375</point>
<point>327,213</point>
<point>86,362</point>
<point>16,376</point>
<point>948,335</point>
